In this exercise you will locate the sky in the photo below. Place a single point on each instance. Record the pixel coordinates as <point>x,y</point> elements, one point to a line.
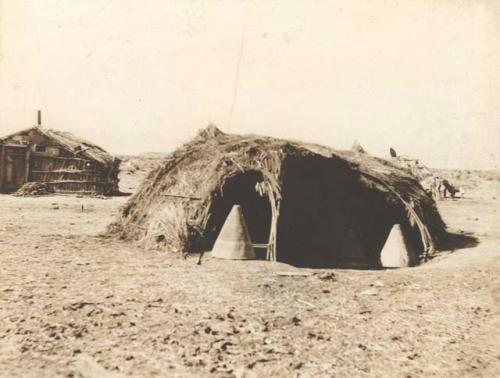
<point>421,76</point>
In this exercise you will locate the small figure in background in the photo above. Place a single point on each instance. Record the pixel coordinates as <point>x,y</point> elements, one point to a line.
<point>440,188</point>
<point>447,188</point>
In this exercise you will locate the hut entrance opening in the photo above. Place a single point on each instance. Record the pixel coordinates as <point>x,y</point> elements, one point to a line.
<point>242,189</point>
<point>328,219</point>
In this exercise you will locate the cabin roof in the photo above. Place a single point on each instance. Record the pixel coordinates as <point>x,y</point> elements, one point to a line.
<point>78,146</point>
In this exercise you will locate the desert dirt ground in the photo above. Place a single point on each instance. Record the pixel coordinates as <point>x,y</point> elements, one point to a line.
<point>74,303</point>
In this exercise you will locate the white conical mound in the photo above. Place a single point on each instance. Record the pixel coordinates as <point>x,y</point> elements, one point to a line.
<point>395,253</point>
<point>234,242</point>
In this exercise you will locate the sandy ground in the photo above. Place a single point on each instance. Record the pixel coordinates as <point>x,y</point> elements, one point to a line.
<point>73,303</point>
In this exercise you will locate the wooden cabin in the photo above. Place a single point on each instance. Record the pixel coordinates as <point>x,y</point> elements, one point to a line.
<point>64,162</point>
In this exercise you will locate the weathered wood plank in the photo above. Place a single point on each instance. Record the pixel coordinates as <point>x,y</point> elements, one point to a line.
<point>2,164</point>
<point>179,196</point>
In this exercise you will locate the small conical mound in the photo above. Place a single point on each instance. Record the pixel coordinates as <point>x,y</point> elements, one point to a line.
<point>233,242</point>
<point>395,253</point>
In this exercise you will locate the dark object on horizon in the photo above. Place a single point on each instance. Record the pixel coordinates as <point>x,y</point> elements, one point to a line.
<point>393,152</point>
<point>62,161</point>
<point>357,147</point>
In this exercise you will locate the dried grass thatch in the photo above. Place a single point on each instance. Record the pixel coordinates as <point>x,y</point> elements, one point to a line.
<point>33,189</point>
<point>183,203</point>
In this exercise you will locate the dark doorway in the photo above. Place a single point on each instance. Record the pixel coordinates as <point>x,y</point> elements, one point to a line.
<point>14,167</point>
<point>241,189</point>
<point>312,223</point>
<point>329,219</point>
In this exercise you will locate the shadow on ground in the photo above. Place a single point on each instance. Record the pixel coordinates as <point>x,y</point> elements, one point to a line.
<point>453,241</point>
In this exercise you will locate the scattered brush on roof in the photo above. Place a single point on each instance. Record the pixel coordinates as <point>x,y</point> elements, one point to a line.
<point>299,200</point>
<point>80,147</point>
<point>356,147</point>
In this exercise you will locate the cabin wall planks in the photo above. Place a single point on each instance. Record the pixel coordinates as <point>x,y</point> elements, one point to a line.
<point>66,165</point>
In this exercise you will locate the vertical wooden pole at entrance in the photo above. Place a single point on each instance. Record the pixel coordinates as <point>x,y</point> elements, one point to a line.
<point>27,165</point>
<point>2,164</point>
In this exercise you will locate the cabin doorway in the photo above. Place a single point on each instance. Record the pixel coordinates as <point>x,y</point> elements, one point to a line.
<point>14,167</point>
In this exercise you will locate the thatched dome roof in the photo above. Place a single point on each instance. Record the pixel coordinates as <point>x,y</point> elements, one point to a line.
<point>180,203</point>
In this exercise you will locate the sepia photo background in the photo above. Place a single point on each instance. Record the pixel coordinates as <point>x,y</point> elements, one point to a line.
<point>136,76</point>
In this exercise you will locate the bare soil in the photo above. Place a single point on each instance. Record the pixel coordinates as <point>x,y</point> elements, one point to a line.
<point>73,303</point>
